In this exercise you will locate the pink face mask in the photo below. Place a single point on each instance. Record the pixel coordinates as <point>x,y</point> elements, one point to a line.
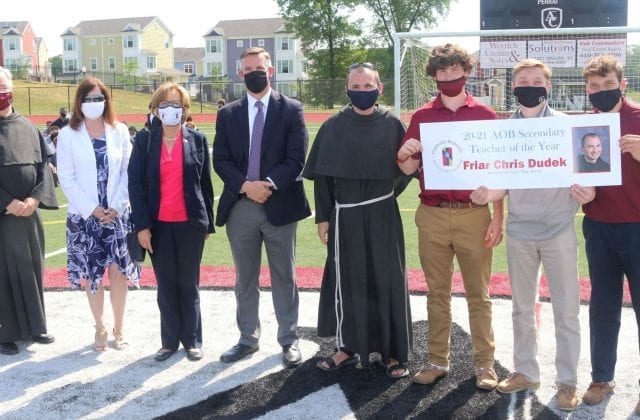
<point>451,87</point>
<point>6,99</point>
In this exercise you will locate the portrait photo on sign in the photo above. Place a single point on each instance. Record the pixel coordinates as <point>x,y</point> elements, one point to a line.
<point>591,149</point>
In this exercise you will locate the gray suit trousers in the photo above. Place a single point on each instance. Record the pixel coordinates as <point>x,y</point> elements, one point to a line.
<point>247,229</point>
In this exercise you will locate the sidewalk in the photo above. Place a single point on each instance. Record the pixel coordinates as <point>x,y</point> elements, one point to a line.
<point>68,379</point>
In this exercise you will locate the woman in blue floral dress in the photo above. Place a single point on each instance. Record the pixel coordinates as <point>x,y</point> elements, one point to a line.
<point>93,155</point>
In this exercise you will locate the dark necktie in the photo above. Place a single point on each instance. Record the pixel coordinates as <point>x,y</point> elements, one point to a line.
<point>253,173</point>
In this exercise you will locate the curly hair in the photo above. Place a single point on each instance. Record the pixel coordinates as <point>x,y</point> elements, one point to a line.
<point>603,65</point>
<point>448,55</point>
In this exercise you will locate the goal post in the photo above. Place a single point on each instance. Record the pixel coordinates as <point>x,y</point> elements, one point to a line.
<point>495,52</point>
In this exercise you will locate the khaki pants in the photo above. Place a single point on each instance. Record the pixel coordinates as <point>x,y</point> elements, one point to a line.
<point>559,257</point>
<point>443,234</point>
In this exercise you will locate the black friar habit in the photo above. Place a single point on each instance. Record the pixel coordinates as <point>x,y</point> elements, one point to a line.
<point>353,160</point>
<point>23,173</point>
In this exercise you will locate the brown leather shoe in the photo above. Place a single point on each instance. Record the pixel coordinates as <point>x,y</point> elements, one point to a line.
<point>486,378</point>
<point>428,374</point>
<point>597,392</point>
<point>566,398</point>
<point>517,382</point>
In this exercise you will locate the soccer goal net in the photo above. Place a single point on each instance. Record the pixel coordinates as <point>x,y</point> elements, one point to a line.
<point>495,52</point>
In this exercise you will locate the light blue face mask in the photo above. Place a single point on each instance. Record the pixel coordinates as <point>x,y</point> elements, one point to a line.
<point>170,115</point>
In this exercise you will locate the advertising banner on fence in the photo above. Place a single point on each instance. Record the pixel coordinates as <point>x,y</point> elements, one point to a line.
<point>546,152</point>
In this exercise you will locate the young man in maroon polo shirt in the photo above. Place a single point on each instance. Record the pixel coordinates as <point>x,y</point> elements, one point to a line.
<point>611,229</point>
<point>449,225</point>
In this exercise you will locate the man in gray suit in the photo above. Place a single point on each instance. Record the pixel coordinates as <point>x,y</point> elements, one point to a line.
<point>259,151</point>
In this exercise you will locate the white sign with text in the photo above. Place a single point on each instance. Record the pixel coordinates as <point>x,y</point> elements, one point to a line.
<point>502,54</point>
<point>549,152</point>
<point>590,48</point>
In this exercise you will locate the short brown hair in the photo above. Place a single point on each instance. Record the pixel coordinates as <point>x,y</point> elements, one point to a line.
<point>86,86</point>
<point>528,63</point>
<point>603,65</point>
<point>257,51</point>
<point>448,55</point>
<point>162,93</point>
<point>362,69</point>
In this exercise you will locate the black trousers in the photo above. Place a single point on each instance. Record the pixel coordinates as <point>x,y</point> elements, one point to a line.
<point>177,251</point>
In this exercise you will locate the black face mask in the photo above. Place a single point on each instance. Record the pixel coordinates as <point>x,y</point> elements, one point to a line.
<point>256,81</point>
<point>363,99</point>
<point>530,96</point>
<point>605,100</point>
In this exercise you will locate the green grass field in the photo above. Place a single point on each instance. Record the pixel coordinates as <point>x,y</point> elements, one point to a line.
<point>310,251</point>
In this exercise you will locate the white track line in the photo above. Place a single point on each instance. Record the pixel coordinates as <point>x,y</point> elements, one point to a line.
<point>56,252</point>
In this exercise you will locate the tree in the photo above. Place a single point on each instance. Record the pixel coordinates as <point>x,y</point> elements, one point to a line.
<point>405,15</point>
<point>129,70</point>
<point>56,65</point>
<point>321,24</point>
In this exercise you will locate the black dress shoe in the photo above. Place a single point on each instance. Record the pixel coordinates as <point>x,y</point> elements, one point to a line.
<point>194,354</point>
<point>9,349</point>
<point>161,356</point>
<point>44,338</point>
<point>237,352</point>
<point>291,355</point>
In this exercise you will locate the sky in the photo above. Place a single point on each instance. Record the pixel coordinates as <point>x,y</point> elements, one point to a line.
<point>50,18</point>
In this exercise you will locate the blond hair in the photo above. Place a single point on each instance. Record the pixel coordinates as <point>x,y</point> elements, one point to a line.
<point>529,63</point>
<point>162,93</point>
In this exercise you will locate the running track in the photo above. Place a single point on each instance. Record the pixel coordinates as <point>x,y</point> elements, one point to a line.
<point>309,278</point>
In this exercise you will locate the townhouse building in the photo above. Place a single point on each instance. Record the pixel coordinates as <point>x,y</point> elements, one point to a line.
<point>21,51</point>
<point>138,46</point>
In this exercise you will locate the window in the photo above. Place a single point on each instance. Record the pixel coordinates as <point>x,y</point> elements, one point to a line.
<point>151,63</point>
<point>214,69</point>
<point>166,42</point>
<point>129,41</point>
<point>261,43</point>
<point>112,63</point>
<point>111,41</point>
<point>12,64</point>
<point>285,66</point>
<point>70,44</point>
<point>238,89</point>
<point>287,89</point>
<point>238,66</point>
<point>92,41</point>
<point>13,44</point>
<point>285,43</point>
<point>214,45</point>
<point>93,63</point>
<point>188,68</point>
<point>239,43</point>
<point>70,66</point>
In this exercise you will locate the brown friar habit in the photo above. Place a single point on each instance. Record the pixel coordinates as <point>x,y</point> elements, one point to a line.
<point>23,173</point>
<point>353,160</point>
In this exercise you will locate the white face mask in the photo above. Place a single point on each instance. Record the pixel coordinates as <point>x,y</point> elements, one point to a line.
<point>93,110</point>
<point>170,115</point>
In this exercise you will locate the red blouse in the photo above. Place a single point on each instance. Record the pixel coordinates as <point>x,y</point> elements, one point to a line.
<point>172,204</point>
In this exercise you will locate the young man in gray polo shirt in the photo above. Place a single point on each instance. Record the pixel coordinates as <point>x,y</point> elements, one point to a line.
<point>540,229</point>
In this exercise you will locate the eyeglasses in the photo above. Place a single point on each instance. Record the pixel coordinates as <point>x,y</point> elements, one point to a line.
<point>365,65</point>
<point>166,104</point>
<point>96,98</point>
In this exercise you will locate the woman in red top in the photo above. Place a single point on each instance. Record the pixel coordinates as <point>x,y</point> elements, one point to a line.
<point>172,201</point>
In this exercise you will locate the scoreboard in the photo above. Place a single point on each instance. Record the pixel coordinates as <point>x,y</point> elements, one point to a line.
<point>552,14</point>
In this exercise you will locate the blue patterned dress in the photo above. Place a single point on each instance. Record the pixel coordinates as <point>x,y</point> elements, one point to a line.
<point>92,246</point>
